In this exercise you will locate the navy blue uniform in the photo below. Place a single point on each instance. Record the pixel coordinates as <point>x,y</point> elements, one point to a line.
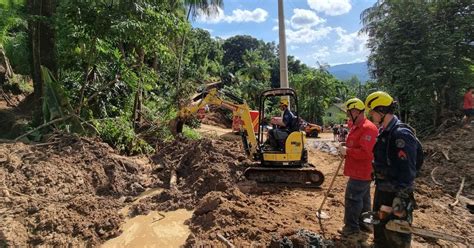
<point>278,136</point>
<point>288,120</point>
<point>395,171</point>
<point>395,158</point>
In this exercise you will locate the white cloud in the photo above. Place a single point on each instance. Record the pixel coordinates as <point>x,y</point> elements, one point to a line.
<point>305,18</point>
<point>321,54</point>
<point>353,43</point>
<point>331,7</point>
<point>293,47</point>
<point>208,30</point>
<point>238,15</point>
<point>307,35</point>
<point>257,15</point>
<point>216,17</point>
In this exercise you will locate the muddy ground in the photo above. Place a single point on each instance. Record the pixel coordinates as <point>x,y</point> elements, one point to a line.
<point>70,190</point>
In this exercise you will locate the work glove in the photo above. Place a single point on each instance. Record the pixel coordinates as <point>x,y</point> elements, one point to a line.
<point>343,150</point>
<point>399,207</point>
<point>403,204</point>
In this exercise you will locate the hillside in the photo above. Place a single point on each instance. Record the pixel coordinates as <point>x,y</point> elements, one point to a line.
<point>346,71</point>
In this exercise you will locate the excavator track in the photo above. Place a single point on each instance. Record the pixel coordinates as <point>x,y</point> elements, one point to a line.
<point>306,176</point>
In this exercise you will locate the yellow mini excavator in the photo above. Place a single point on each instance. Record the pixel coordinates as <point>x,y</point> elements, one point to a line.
<point>282,166</point>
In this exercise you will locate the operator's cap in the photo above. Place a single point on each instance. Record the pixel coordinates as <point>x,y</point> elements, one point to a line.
<point>284,101</point>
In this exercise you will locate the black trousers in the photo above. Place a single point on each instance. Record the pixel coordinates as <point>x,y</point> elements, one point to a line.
<point>384,238</point>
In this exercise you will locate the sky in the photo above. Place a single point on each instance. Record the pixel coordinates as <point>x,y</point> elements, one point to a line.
<point>317,31</point>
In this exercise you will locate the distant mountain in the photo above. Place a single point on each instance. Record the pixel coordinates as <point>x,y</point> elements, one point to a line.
<point>346,71</point>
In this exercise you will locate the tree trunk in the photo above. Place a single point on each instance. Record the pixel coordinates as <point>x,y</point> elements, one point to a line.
<point>42,42</point>
<point>180,62</point>
<point>155,64</point>
<point>138,103</point>
<point>6,70</point>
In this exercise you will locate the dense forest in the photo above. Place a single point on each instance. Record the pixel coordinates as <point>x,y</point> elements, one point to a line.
<point>122,69</point>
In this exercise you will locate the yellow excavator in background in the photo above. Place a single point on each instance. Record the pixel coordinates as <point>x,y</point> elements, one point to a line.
<point>283,166</point>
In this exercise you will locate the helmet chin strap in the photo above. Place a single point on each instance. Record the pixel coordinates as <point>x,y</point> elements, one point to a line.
<point>354,119</point>
<point>382,119</point>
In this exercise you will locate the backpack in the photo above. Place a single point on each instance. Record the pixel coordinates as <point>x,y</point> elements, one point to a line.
<point>420,157</point>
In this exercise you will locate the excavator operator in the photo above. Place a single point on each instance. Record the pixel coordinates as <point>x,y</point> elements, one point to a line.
<point>284,126</point>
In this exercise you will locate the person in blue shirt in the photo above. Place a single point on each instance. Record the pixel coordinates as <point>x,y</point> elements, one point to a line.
<point>394,167</point>
<point>284,126</point>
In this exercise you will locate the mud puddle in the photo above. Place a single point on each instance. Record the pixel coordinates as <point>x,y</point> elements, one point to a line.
<point>156,229</point>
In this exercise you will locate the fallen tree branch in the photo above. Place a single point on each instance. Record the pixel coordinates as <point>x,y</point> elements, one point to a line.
<point>42,126</point>
<point>445,153</point>
<point>47,144</point>
<point>458,193</point>
<point>227,243</point>
<point>7,98</point>
<point>433,178</point>
<point>156,220</point>
<point>6,141</point>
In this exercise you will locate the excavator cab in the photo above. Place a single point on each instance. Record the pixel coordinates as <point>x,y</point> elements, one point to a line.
<point>292,147</point>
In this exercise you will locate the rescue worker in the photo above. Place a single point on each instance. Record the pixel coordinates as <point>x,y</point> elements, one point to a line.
<point>284,126</point>
<point>468,108</point>
<point>342,133</point>
<point>335,132</point>
<point>358,167</point>
<point>394,165</point>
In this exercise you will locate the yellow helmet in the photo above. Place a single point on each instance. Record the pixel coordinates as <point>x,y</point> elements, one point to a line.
<point>354,103</point>
<point>378,99</point>
<point>284,101</point>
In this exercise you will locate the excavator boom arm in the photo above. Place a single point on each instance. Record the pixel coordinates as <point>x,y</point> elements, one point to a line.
<point>241,109</point>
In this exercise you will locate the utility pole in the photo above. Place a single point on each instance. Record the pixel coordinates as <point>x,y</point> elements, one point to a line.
<point>282,46</point>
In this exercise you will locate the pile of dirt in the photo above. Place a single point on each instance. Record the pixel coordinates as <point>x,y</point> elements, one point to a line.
<point>253,219</point>
<point>449,157</point>
<point>217,117</point>
<point>66,191</point>
<point>200,167</point>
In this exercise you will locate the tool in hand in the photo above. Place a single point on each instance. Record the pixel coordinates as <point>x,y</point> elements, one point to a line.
<point>320,214</point>
<point>403,226</point>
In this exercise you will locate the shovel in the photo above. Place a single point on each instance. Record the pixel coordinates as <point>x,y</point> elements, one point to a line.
<point>320,214</point>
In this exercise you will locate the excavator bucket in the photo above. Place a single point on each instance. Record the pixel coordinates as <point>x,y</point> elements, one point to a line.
<point>176,126</point>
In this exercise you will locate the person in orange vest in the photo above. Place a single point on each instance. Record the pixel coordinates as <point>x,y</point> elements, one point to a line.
<point>358,167</point>
<point>468,107</point>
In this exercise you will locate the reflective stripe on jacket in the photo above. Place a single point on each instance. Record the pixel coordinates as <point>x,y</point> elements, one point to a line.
<point>360,143</point>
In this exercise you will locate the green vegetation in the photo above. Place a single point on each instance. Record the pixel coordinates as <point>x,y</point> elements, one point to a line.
<point>134,63</point>
<point>422,52</point>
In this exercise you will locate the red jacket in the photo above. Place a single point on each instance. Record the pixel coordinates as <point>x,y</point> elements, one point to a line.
<point>468,101</point>
<point>360,143</point>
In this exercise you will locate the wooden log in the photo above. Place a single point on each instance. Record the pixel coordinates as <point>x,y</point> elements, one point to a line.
<point>458,193</point>
<point>226,242</point>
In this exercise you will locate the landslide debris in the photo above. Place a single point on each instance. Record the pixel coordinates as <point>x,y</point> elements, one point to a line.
<point>65,192</point>
<point>451,152</point>
<point>200,166</point>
